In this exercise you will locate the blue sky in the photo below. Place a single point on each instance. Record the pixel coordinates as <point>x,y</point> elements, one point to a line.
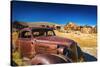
<point>56,13</point>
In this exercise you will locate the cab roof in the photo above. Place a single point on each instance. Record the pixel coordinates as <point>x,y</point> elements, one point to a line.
<point>38,28</point>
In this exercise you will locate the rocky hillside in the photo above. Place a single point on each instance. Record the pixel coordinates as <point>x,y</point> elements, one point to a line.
<point>84,29</point>
<point>71,26</point>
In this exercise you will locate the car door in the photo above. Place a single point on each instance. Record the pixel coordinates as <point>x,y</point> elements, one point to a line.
<point>40,46</point>
<point>26,46</point>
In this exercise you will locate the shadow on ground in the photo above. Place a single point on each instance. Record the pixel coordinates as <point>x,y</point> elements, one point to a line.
<point>89,58</point>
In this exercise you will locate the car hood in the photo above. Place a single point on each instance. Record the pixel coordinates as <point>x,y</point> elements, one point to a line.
<point>55,40</point>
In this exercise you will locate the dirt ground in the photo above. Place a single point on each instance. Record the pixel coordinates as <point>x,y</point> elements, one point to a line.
<point>87,42</point>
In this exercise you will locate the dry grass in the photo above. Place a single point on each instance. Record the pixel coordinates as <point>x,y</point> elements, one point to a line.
<point>84,40</point>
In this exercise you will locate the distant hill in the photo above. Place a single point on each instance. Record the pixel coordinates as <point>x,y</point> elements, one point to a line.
<point>31,24</point>
<point>19,25</point>
<point>71,24</point>
<point>84,29</point>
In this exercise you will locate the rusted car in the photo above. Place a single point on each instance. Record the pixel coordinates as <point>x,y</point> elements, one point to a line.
<point>37,43</point>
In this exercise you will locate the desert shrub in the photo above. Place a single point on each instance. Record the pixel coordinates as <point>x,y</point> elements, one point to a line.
<point>17,58</point>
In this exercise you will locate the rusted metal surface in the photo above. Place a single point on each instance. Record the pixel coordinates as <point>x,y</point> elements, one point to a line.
<point>41,59</point>
<point>29,47</point>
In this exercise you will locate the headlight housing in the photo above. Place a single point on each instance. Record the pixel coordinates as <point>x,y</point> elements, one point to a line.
<point>64,51</point>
